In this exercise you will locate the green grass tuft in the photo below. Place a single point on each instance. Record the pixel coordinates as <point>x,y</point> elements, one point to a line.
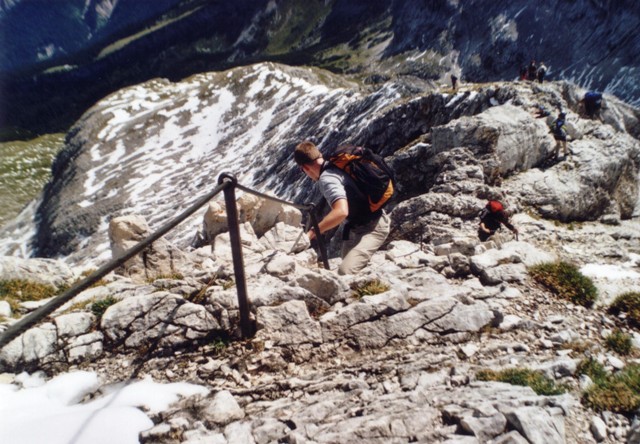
<point>592,369</point>
<point>99,307</point>
<point>524,377</point>
<point>369,288</point>
<point>628,303</point>
<point>565,280</point>
<point>618,393</point>
<point>619,342</point>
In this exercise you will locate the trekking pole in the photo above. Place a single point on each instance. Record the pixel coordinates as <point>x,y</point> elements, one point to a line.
<point>304,230</point>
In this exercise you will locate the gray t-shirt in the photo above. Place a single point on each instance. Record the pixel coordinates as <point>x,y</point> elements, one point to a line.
<point>336,184</point>
<point>332,185</point>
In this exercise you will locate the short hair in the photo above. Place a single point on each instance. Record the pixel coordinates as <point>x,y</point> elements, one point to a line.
<point>306,152</point>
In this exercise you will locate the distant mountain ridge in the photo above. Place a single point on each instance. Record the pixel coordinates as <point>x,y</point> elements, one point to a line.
<point>79,52</point>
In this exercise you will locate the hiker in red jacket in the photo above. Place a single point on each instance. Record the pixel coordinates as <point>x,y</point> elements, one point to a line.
<point>491,218</point>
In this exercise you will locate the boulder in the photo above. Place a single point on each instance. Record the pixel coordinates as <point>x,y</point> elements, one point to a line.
<point>44,271</point>
<point>159,259</point>
<point>262,214</point>
<point>287,324</point>
<point>506,132</point>
<point>222,409</point>
<point>161,318</point>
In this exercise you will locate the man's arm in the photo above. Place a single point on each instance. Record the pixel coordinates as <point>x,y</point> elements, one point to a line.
<point>484,228</point>
<point>510,226</point>
<point>339,212</point>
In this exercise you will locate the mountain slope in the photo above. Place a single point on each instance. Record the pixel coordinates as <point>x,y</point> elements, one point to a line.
<point>592,43</point>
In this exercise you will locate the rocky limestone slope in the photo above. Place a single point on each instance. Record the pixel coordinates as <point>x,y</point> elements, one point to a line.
<point>328,365</point>
<point>155,148</point>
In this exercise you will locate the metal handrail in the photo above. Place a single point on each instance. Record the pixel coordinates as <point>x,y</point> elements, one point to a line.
<point>226,184</point>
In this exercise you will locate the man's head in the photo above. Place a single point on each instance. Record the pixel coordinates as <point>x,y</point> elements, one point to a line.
<point>309,158</point>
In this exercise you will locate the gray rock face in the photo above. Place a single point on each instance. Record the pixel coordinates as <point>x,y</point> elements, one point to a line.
<point>160,259</point>
<point>161,316</point>
<point>223,409</point>
<point>44,271</point>
<point>288,324</point>
<point>453,152</point>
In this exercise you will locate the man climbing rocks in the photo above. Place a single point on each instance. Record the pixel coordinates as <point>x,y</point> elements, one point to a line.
<point>365,231</point>
<point>492,217</point>
<point>559,130</point>
<point>592,102</point>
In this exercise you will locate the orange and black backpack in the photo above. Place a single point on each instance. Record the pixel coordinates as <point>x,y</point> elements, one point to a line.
<point>373,177</point>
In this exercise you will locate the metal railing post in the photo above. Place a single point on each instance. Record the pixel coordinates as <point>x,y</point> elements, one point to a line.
<point>236,252</point>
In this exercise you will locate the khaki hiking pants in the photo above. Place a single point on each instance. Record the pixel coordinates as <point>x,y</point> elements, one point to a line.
<point>362,243</point>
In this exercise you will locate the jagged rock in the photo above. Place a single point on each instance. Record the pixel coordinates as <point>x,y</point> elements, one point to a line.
<point>44,271</point>
<point>504,273</point>
<point>513,437</point>
<point>85,347</point>
<point>280,264</point>
<point>214,221</point>
<point>506,132</point>
<point>464,318</point>
<point>162,317</point>
<point>74,324</point>
<point>262,214</point>
<point>323,284</point>
<point>285,238</point>
<point>252,248</point>
<point>222,409</point>
<point>416,219</point>
<point>5,309</point>
<point>406,254</point>
<point>335,324</point>
<point>34,347</point>
<point>159,259</point>
<point>600,177</point>
<point>287,324</point>
<point>599,429</point>
<point>535,424</point>
<point>485,424</point>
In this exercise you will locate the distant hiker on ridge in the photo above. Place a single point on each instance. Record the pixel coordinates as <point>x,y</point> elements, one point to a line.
<point>492,217</point>
<point>365,230</point>
<point>454,82</point>
<point>533,71</point>
<point>541,111</point>
<point>560,134</point>
<point>523,73</point>
<point>542,70</point>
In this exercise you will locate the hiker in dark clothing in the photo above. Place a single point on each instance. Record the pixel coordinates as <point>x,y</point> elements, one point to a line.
<point>542,70</point>
<point>541,111</point>
<point>454,82</point>
<point>523,73</point>
<point>560,134</point>
<point>492,217</point>
<point>592,102</point>
<point>533,71</point>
